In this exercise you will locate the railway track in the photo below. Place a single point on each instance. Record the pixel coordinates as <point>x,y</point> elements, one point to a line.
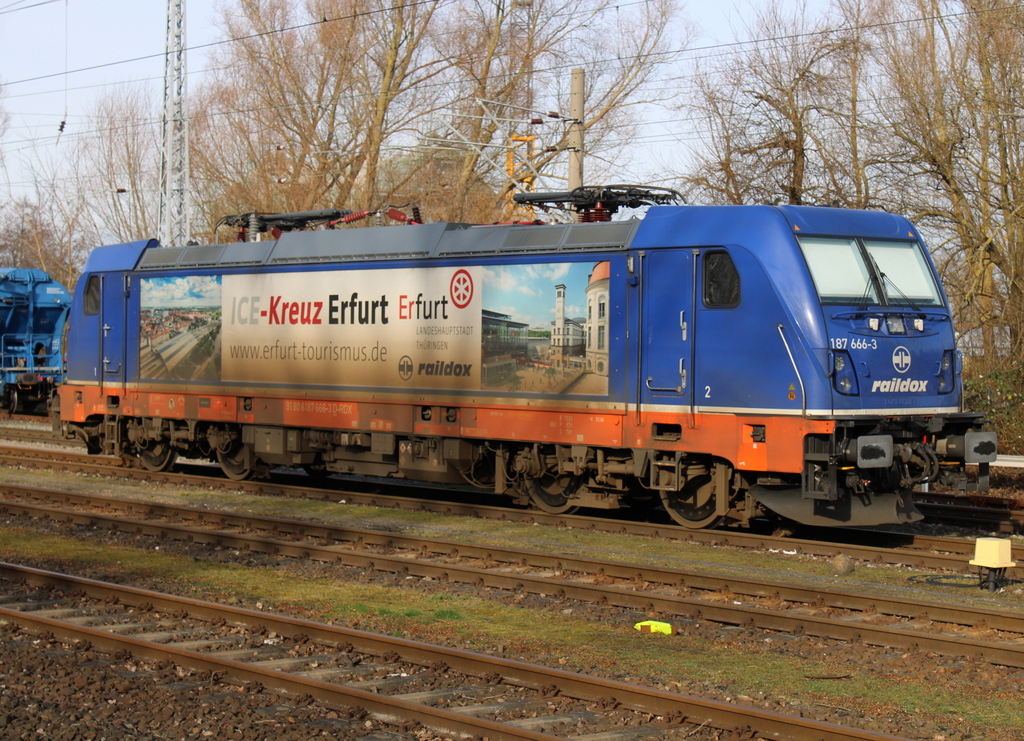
<point>452,691</point>
<point>896,621</point>
<point>998,514</point>
<point>883,547</point>
<point>32,435</point>
<point>341,491</point>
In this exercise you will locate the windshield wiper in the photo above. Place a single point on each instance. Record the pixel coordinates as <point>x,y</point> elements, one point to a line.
<point>886,279</point>
<point>866,296</point>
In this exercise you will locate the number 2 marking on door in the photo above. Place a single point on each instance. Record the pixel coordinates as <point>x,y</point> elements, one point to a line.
<point>707,392</point>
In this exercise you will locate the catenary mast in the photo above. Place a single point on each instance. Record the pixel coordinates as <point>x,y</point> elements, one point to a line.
<point>174,228</point>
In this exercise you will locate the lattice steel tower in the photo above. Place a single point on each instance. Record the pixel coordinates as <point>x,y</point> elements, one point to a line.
<point>174,228</point>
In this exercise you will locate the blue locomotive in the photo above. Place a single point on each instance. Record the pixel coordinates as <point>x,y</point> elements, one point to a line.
<point>33,311</point>
<point>724,363</point>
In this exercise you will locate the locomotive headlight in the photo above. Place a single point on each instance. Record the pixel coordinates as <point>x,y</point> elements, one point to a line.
<point>946,377</point>
<point>844,378</point>
<point>874,323</point>
<point>919,325</point>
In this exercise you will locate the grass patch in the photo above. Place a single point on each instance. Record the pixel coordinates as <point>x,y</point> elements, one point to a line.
<point>453,615</point>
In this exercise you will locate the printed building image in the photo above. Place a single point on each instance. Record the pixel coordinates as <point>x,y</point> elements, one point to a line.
<point>597,319</point>
<point>505,345</point>
<point>534,336</point>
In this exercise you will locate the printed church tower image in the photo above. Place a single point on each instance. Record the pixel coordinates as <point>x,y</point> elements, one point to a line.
<point>567,335</point>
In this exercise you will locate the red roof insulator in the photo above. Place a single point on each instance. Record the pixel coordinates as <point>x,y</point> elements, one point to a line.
<point>354,216</point>
<point>600,213</point>
<point>394,213</point>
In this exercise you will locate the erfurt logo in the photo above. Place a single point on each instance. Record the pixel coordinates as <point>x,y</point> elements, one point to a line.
<point>441,368</point>
<point>900,386</point>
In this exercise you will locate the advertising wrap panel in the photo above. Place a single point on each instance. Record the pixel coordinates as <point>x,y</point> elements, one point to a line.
<point>538,328</point>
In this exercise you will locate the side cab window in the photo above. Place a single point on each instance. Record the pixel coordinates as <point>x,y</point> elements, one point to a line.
<point>721,288</point>
<point>92,296</point>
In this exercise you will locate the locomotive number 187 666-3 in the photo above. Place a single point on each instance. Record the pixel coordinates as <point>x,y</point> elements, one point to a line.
<point>854,343</point>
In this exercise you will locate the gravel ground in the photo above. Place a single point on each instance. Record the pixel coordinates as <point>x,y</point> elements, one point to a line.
<point>49,690</point>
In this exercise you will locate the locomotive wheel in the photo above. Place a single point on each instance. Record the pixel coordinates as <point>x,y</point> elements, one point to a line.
<point>696,505</point>
<point>551,494</point>
<point>159,457</point>
<point>238,464</point>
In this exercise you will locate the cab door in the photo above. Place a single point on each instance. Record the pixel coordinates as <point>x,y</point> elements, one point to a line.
<point>112,335</point>
<point>666,367</point>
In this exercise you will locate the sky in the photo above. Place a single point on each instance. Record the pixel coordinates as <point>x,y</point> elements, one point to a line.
<point>40,40</point>
<point>58,57</point>
<point>527,292</point>
<point>187,293</point>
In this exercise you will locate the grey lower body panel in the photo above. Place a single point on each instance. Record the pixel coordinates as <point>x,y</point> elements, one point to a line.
<point>851,511</point>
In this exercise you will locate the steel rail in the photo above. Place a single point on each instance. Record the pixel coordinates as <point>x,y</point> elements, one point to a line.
<point>665,704</point>
<point>1009,653</point>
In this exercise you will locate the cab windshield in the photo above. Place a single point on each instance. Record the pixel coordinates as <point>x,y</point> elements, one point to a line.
<point>870,272</point>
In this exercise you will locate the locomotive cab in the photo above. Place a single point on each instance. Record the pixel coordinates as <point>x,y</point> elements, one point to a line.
<point>893,376</point>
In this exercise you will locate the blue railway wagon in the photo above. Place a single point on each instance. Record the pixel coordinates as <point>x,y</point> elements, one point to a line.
<point>723,362</point>
<point>33,311</point>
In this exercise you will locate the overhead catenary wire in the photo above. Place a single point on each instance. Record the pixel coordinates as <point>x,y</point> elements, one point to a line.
<point>667,83</point>
<point>4,10</point>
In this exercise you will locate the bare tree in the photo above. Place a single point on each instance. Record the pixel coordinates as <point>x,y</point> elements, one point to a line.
<point>119,166</point>
<point>45,232</point>
<point>957,82</point>
<point>782,115</point>
<point>305,102</point>
<point>507,55</point>
<point>49,226</point>
<point>332,104</point>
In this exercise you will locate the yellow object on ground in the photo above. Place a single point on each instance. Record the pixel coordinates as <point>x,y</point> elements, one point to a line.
<point>653,626</point>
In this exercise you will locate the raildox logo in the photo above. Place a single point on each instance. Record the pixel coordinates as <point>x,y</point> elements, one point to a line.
<point>405,368</point>
<point>901,359</point>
